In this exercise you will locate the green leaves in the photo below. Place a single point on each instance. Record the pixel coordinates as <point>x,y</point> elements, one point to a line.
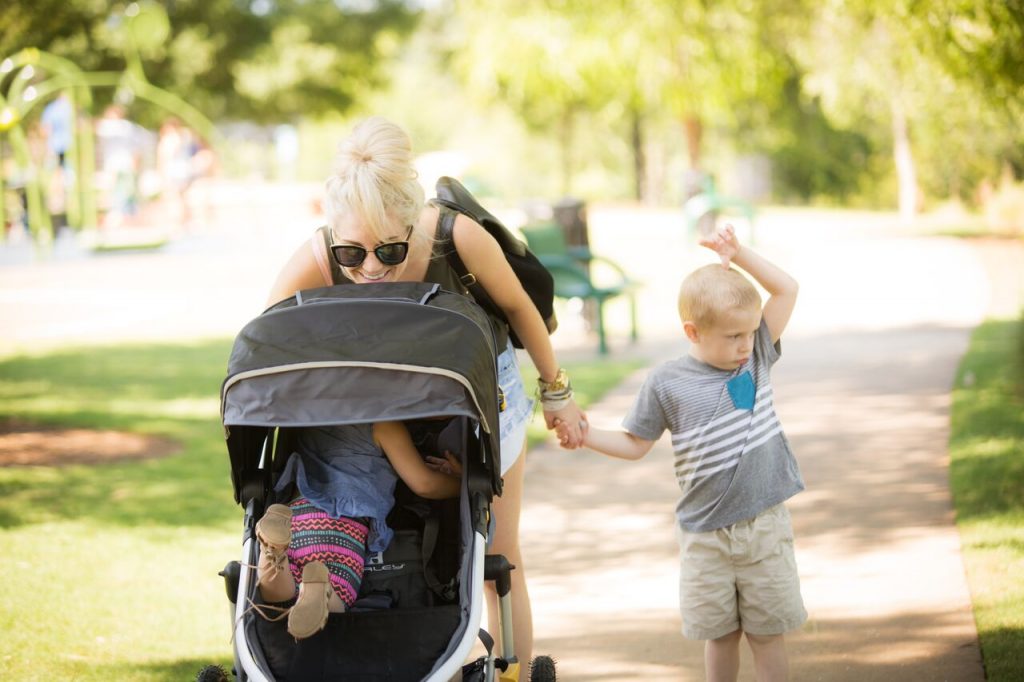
<point>262,61</point>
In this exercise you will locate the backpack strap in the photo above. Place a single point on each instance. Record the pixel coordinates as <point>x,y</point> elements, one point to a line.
<point>445,233</point>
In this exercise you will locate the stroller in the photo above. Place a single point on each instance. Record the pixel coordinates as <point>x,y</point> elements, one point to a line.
<point>357,354</point>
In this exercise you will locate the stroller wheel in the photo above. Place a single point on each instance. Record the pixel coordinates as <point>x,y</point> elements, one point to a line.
<point>214,673</point>
<point>542,669</point>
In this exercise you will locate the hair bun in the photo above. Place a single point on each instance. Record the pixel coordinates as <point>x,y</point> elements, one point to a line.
<point>375,178</point>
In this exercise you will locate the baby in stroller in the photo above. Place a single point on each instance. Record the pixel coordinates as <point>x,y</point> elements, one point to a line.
<point>345,478</point>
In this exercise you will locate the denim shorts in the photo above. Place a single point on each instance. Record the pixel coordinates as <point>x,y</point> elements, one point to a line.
<point>515,417</point>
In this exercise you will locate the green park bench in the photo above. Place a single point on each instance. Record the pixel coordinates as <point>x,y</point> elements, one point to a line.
<point>570,267</point>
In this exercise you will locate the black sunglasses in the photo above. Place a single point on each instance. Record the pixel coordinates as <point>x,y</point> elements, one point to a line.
<point>349,256</point>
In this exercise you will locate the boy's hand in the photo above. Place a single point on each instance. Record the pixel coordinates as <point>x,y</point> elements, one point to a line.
<point>724,243</point>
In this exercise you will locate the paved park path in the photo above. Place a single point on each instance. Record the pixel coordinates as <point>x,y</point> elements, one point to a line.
<point>862,389</point>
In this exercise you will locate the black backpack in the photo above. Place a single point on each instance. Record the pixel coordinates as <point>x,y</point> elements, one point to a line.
<point>453,198</point>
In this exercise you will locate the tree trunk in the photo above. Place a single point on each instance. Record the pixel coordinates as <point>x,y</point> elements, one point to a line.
<point>567,137</point>
<point>906,175</point>
<point>639,160</point>
<point>694,130</point>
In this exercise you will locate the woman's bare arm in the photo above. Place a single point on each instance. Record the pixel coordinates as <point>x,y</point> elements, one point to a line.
<point>299,272</point>
<point>484,258</point>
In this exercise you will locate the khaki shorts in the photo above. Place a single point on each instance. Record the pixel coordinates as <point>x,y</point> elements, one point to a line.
<point>742,576</point>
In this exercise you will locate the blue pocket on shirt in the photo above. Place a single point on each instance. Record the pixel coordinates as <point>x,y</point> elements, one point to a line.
<point>741,390</point>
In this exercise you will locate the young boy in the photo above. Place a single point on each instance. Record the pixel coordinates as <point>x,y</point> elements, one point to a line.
<point>732,461</point>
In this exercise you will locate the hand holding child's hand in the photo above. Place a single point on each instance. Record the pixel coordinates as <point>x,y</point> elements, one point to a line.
<point>563,432</point>
<point>569,437</point>
<point>448,465</point>
<point>724,243</point>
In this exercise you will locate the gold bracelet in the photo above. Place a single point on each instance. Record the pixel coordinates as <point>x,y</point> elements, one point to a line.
<point>560,382</point>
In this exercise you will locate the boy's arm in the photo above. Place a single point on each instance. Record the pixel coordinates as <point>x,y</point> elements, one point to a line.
<point>782,289</point>
<point>617,443</point>
<point>614,443</point>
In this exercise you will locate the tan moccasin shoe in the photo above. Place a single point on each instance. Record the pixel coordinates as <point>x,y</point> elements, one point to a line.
<point>309,615</point>
<point>274,532</point>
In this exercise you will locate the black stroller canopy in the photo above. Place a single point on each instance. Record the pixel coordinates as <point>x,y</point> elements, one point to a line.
<point>361,353</point>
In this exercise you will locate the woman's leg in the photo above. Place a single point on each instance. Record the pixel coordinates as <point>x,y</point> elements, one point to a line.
<point>506,511</point>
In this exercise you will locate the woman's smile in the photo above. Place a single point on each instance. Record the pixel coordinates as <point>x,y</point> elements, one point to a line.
<point>376,277</point>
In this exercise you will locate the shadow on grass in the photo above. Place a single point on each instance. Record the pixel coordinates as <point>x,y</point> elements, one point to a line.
<point>171,390</point>
<point>1003,647</point>
<point>171,671</point>
<point>191,488</point>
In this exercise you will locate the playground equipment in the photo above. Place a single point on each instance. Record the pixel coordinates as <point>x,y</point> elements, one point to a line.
<point>33,77</point>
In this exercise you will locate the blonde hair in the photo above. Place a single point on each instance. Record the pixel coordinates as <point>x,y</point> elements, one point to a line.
<point>375,179</point>
<point>709,291</point>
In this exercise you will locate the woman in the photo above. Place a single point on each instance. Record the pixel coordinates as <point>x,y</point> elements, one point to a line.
<point>380,230</point>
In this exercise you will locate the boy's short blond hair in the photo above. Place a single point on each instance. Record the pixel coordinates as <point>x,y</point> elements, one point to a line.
<point>709,291</point>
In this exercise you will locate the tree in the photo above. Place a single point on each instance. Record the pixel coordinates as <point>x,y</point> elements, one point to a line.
<point>556,61</point>
<point>978,43</point>
<point>535,60</point>
<point>942,78</point>
<point>265,60</point>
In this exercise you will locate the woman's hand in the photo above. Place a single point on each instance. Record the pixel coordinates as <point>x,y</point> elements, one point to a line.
<point>562,429</point>
<point>724,243</point>
<point>569,422</point>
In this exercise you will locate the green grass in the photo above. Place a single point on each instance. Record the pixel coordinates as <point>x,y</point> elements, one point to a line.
<point>987,478</point>
<point>110,570</point>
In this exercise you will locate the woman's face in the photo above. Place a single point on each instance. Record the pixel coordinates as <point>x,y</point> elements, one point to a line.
<point>351,231</point>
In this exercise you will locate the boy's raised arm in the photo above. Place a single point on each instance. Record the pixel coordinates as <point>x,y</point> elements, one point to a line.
<point>782,289</point>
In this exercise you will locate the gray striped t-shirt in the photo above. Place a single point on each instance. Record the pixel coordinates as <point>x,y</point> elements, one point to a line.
<point>732,460</point>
